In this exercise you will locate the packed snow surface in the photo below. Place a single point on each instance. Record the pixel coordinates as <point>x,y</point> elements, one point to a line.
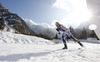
<point>22,48</point>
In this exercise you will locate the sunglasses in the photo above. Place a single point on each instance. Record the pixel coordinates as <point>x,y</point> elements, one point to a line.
<point>57,24</point>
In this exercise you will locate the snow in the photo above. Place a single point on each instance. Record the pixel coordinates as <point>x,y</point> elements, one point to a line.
<point>23,48</point>
<point>7,37</point>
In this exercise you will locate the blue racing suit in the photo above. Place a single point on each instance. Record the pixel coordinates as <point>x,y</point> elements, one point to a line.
<point>66,33</point>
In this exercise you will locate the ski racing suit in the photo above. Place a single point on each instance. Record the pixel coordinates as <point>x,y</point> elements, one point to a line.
<point>66,33</point>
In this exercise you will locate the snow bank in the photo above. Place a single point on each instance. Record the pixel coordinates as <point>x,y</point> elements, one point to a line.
<point>7,37</point>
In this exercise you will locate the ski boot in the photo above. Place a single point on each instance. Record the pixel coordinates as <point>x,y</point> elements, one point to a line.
<point>65,48</point>
<point>80,44</point>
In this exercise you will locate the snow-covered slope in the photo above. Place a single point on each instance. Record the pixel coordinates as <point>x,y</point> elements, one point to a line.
<point>22,48</point>
<point>7,37</point>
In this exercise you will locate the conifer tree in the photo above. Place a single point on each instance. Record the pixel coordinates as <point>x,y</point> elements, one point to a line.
<point>72,30</point>
<point>83,34</point>
<point>56,37</point>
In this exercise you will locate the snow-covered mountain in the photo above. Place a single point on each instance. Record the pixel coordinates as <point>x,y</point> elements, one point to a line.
<point>13,21</point>
<point>43,28</point>
<point>22,48</point>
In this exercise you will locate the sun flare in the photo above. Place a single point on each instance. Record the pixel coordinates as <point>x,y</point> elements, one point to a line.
<point>92,27</point>
<point>80,12</point>
<point>77,11</point>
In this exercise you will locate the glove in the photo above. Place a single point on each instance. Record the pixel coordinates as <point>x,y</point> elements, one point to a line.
<point>59,32</point>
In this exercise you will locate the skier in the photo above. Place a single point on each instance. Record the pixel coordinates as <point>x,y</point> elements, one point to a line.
<point>65,33</point>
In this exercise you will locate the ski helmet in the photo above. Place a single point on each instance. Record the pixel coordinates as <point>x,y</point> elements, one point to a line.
<point>57,23</point>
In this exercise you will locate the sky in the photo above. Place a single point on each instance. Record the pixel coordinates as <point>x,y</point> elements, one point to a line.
<point>67,12</point>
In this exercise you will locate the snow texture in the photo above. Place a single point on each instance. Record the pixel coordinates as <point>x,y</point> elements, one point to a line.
<point>22,48</point>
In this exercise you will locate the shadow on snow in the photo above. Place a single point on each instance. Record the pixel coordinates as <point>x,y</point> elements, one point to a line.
<point>16,57</point>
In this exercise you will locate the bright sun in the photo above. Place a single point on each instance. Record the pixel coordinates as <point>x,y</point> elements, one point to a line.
<point>81,13</point>
<point>77,11</point>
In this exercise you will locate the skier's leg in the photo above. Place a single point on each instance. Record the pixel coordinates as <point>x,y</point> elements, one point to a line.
<point>64,41</point>
<point>76,40</point>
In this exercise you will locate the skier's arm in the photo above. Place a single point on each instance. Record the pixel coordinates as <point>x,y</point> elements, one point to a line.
<point>58,30</point>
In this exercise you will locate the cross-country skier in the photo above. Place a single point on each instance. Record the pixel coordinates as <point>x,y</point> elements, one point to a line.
<point>66,33</point>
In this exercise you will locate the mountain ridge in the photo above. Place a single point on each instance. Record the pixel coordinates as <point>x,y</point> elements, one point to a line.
<point>13,21</point>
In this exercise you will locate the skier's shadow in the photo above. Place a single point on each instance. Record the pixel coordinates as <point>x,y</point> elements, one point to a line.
<point>16,57</point>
